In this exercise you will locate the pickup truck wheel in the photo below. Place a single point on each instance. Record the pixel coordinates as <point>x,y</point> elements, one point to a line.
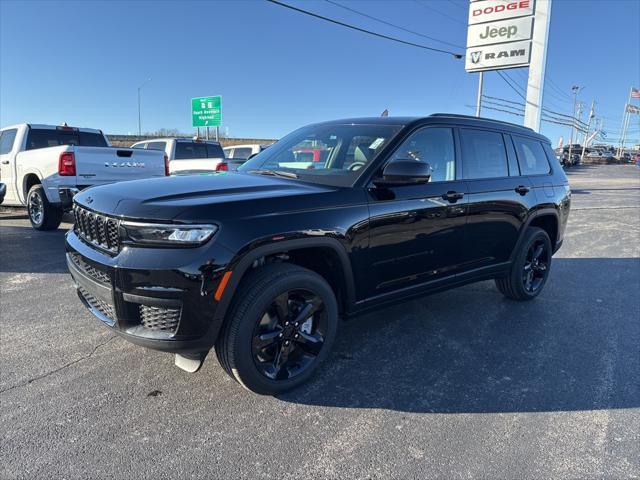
<point>280,329</point>
<point>530,269</point>
<point>42,215</point>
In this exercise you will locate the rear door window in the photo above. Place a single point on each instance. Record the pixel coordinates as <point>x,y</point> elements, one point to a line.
<point>483,154</point>
<point>6,140</point>
<point>531,156</point>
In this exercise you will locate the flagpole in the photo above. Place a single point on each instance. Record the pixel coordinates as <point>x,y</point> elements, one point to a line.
<point>624,120</point>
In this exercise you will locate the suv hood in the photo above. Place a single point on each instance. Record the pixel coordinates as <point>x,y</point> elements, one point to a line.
<point>198,197</point>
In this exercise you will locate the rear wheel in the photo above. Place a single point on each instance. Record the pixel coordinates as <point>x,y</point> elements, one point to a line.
<point>42,215</point>
<point>280,329</point>
<point>530,269</point>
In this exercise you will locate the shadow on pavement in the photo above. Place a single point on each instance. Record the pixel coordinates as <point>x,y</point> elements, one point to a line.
<point>25,250</point>
<point>470,350</point>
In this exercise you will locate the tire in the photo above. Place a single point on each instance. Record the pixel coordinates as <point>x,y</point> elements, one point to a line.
<point>42,215</point>
<point>258,307</point>
<point>529,272</point>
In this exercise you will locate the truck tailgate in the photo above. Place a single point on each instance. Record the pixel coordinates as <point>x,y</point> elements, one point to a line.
<point>98,165</point>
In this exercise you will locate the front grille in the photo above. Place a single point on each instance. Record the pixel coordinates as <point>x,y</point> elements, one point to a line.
<point>103,307</point>
<point>159,318</point>
<point>89,270</point>
<point>95,228</point>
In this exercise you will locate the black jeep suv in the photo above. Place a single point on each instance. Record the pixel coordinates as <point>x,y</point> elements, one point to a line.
<point>261,263</point>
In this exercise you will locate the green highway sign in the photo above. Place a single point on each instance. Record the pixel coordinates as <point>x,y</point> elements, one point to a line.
<point>206,111</point>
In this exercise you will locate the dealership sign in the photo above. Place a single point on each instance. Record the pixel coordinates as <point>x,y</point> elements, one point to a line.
<point>492,10</point>
<point>499,34</point>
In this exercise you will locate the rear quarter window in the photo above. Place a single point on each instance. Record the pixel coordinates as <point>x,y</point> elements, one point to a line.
<point>531,156</point>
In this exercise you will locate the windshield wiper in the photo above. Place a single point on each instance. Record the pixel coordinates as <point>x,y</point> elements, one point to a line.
<point>275,173</point>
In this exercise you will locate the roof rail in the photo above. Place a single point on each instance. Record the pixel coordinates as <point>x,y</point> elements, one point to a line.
<point>470,117</point>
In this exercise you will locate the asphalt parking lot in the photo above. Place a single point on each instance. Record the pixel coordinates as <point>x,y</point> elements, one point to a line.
<point>462,384</point>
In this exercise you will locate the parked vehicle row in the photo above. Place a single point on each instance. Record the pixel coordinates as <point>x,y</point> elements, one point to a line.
<point>261,264</point>
<point>44,166</point>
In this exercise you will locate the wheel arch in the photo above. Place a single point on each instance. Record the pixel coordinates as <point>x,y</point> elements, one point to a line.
<point>29,180</point>
<point>547,219</point>
<point>341,282</point>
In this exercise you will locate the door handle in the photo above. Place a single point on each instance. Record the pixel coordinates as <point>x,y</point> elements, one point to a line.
<point>5,162</point>
<point>522,190</point>
<point>453,197</point>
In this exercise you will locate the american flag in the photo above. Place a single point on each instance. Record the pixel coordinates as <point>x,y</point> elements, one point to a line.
<point>635,93</point>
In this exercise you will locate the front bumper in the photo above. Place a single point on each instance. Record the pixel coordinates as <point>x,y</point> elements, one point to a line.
<point>160,298</point>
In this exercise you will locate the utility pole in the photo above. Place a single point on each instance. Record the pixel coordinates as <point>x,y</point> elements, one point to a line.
<point>479,101</point>
<point>139,115</point>
<point>586,134</point>
<point>575,89</point>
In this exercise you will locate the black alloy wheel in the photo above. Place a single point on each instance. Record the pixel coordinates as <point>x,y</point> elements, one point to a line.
<point>289,335</point>
<point>530,267</point>
<point>280,328</point>
<point>534,271</point>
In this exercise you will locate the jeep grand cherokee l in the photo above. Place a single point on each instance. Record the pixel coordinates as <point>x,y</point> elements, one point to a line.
<point>262,263</point>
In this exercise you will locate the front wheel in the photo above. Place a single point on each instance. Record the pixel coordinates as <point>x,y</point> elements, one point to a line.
<point>530,268</point>
<point>281,327</point>
<point>42,215</point>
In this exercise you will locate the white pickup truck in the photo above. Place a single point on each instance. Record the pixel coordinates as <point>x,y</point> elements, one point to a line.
<point>44,166</point>
<point>186,155</point>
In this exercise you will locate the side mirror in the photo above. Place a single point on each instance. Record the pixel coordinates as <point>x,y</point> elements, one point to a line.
<point>404,172</point>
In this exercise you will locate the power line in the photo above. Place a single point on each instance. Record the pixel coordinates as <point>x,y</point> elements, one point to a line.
<point>392,24</point>
<point>509,83</point>
<point>369,32</point>
<point>429,6</point>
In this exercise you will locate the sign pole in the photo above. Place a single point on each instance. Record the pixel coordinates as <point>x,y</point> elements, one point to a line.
<point>535,84</point>
<point>479,100</point>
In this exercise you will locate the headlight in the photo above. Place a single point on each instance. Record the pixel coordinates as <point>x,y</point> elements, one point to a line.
<point>157,234</point>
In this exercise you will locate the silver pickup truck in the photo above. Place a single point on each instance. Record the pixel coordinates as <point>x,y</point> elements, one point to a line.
<point>44,166</point>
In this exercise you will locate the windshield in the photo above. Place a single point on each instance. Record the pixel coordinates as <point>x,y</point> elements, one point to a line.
<point>329,154</point>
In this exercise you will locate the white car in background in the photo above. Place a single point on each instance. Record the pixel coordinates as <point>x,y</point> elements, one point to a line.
<point>236,155</point>
<point>185,155</point>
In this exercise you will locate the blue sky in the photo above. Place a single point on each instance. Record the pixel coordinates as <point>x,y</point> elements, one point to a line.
<point>82,61</point>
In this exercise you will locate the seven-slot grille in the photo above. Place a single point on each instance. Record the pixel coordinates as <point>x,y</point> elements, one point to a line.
<point>97,229</point>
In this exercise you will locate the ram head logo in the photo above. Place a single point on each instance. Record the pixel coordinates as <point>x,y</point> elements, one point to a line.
<point>476,56</point>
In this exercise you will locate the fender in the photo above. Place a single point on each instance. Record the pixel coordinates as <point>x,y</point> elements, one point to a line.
<point>241,264</point>
<point>543,212</point>
<point>21,191</point>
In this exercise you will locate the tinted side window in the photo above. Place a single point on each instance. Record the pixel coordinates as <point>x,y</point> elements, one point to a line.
<point>483,154</point>
<point>140,146</point>
<point>156,146</point>
<point>6,140</point>
<point>531,156</point>
<point>432,145</point>
<point>214,150</point>
<point>185,150</point>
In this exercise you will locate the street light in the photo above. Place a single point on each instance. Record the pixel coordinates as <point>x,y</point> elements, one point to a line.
<point>139,121</point>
